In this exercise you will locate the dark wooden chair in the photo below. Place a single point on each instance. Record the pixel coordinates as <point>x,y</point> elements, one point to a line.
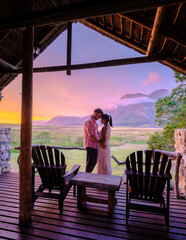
<point>147,174</point>
<point>50,164</point>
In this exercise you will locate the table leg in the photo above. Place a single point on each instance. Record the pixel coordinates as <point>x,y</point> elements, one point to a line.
<point>111,202</point>
<point>81,191</point>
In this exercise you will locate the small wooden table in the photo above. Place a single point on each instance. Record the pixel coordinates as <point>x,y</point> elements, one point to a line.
<point>106,182</point>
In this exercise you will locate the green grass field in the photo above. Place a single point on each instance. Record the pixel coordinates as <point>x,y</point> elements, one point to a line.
<point>123,141</point>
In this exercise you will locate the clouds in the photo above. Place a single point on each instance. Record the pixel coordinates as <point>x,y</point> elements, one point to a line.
<point>154,77</point>
<point>126,102</point>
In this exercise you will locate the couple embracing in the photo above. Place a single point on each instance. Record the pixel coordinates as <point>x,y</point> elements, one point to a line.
<point>97,143</point>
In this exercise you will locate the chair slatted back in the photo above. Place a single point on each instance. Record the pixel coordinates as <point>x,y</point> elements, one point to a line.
<point>157,156</point>
<point>148,157</point>
<point>134,178</point>
<point>165,162</point>
<point>50,163</point>
<point>144,183</point>
<point>140,171</point>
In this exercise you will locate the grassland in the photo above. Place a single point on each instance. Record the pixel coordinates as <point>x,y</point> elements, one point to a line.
<point>123,142</point>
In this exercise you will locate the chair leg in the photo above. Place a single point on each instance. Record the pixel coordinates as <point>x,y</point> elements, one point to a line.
<point>61,200</point>
<point>127,203</point>
<point>61,205</point>
<point>74,191</point>
<point>33,185</point>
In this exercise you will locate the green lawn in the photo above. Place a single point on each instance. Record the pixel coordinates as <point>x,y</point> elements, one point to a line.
<point>123,142</point>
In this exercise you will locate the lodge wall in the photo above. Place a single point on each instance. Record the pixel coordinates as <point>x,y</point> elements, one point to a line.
<point>4,150</point>
<point>180,146</point>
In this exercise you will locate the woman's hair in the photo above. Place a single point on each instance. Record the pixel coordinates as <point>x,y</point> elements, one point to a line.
<point>108,119</point>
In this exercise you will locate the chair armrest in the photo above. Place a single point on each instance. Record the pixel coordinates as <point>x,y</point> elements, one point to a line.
<point>131,173</point>
<point>72,172</point>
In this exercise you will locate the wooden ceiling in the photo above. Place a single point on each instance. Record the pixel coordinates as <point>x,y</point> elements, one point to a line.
<point>153,28</point>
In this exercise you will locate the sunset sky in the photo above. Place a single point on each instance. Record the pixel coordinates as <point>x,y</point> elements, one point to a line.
<point>78,94</point>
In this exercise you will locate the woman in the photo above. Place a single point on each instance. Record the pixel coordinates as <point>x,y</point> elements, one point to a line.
<point>104,156</point>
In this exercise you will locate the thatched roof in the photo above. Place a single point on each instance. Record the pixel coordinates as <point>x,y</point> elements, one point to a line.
<point>127,22</point>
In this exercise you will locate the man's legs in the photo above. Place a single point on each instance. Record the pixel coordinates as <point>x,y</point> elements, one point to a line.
<point>91,159</point>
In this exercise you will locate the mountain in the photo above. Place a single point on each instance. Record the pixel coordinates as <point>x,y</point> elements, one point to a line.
<point>134,95</point>
<point>142,114</point>
<point>136,109</point>
<point>154,95</point>
<point>66,121</point>
<point>159,94</point>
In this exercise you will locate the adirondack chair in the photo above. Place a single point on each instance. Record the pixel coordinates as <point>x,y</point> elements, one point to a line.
<point>147,183</point>
<point>50,164</point>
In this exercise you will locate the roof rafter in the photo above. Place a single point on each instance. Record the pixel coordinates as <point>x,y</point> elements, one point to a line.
<point>173,36</point>
<point>175,19</point>
<point>130,43</point>
<point>7,65</point>
<point>155,30</point>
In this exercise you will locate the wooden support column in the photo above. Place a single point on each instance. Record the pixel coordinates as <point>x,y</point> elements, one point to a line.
<point>157,23</point>
<point>69,45</point>
<point>25,203</point>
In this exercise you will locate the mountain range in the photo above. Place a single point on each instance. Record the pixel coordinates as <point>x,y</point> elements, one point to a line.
<point>137,110</point>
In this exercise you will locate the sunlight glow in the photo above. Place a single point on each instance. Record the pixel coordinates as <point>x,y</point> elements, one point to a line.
<point>15,117</point>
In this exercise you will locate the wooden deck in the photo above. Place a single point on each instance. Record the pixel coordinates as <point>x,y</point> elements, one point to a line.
<point>92,223</point>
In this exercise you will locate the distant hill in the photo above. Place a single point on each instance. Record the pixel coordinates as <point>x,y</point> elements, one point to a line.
<point>154,95</point>
<point>66,121</point>
<point>134,95</point>
<point>136,109</point>
<point>135,115</point>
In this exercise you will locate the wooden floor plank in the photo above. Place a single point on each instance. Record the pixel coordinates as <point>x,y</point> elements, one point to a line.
<point>91,223</point>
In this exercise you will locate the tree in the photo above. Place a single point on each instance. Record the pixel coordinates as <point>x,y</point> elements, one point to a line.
<point>171,113</point>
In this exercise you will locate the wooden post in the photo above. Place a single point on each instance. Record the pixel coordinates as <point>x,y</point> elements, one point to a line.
<point>178,160</point>
<point>69,45</point>
<point>25,201</point>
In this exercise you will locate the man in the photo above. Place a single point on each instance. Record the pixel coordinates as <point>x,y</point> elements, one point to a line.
<point>91,136</point>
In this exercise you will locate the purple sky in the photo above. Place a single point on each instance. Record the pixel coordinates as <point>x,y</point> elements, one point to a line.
<point>78,94</point>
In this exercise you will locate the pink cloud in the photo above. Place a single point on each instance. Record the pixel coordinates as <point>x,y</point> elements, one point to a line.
<point>154,77</point>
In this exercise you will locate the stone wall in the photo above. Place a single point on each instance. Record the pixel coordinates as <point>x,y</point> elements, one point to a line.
<point>180,146</point>
<point>4,150</point>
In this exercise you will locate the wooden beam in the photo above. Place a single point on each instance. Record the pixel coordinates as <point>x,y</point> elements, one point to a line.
<point>176,66</point>
<point>25,196</point>
<point>112,22</point>
<point>122,25</point>
<point>173,36</point>
<point>177,14</point>
<point>175,49</point>
<point>155,30</point>
<point>175,19</point>
<point>130,43</point>
<point>130,29</point>
<point>5,64</point>
<point>109,63</point>
<point>163,45</point>
<point>141,36</point>
<point>69,45</point>
<point>79,11</point>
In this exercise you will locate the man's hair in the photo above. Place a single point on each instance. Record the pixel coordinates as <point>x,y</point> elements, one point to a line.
<point>98,110</point>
